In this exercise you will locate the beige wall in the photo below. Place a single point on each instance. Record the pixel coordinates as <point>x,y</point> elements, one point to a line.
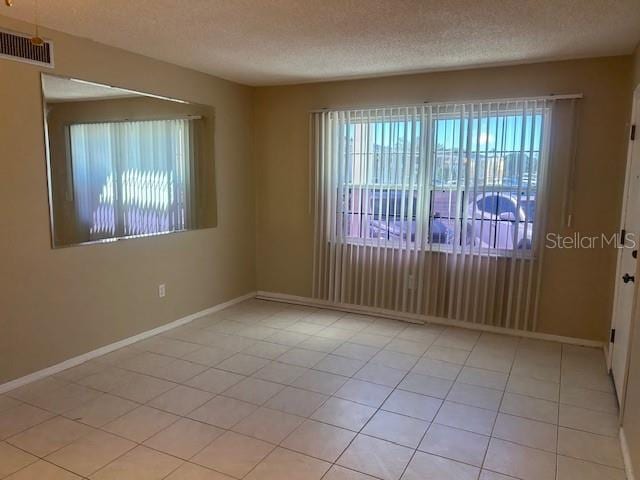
<point>631,419</point>
<point>55,304</point>
<point>576,285</point>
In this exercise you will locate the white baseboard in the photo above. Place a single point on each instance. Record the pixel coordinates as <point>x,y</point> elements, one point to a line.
<point>626,456</point>
<point>414,318</point>
<point>72,362</point>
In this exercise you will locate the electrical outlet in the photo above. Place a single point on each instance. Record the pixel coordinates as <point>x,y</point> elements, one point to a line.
<point>162,290</point>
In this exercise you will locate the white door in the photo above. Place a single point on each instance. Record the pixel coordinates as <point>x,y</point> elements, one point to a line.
<point>626,275</point>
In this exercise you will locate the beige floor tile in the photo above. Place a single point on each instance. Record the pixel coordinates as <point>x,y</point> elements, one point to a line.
<point>78,372</point>
<point>425,385</point>
<point>437,368</point>
<point>253,390</point>
<point>530,433</point>
<point>396,428</point>
<point>184,438</point>
<point>8,402</point>
<point>483,378</point>
<point>141,423</point>
<point>168,346</point>
<point>580,397</point>
<point>15,420</point>
<point>320,344</point>
<point>268,425</point>
<point>242,364</point>
<point>282,464</point>
<point>337,472</point>
<point>13,459</point>
<point>178,371</point>
<point>142,388</point>
<point>339,365</point>
<point>42,470</point>
<point>190,471</point>
<point>590,380</point>
<point>370,339</point>
<point>363,392</point>
<point>141,463</point>
<point>319,440</point>
<point>424,465</point>
<point>355,351</point>
<point>107,380</point>
<point>291,339</point>
<point>458,338</point>
<point>209,356</point>
<point>344,414</point>
<point>39,388</point>
<point>214,380</point>
<point>407,346</point>
<point>321,382</point>
<point>518,461</point>
<point>589,420</point>
<point>399,361</point>
<point>455,444</point>
<point>301,357</point>
<point>296,401</point>
<point>223,412</point>
<point>145,362</point>
<point>412,405</point>
<point>101,410</point>
<point>490,360</point>
<point>475,396</point>
<point>536,371</point>
<point>465,417</point>
<point>590,447</point>
<point>574,469</point>
<point>63,399</point>
<point>489,475</point>
<point>425,334</point>
<point>233,454</point>
<point>376,373</point>
<point>49,436</point>
<point>280,373</point>
<point>266,350</point>
<point>534,388</point>
<point>229,342</point>
<point>529,407</point>
<point>447,354</point>
<point>304,327</point>
<point>181,400</point>
<point>376,457</point>
<point>90,453</point>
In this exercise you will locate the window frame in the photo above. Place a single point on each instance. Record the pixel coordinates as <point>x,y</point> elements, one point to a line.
<point>429,189</point>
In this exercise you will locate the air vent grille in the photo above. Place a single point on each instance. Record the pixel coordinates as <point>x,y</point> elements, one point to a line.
<point>18,47</point>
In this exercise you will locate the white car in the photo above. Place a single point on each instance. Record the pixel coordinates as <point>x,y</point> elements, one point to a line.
<point>500,221</point>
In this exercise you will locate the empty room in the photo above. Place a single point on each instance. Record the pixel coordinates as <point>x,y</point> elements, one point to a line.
<point>339,240</point>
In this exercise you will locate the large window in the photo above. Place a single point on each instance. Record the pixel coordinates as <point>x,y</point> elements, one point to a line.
<point>132,177</point>
<point>452,177</point>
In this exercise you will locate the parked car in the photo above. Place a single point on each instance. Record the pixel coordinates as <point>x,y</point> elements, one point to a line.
<point>501,221</point>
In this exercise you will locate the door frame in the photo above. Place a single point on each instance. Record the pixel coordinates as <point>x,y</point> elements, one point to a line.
<point>635,120</point>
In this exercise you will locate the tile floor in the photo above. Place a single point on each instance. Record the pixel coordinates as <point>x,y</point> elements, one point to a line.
<point>268,391</point>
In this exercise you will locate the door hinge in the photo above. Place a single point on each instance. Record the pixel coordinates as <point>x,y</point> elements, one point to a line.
<point>633,132</point>
<point>612,339</point>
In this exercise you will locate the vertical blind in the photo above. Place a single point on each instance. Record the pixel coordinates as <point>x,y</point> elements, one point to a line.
<point>132,177</point>
<point>435,209</point>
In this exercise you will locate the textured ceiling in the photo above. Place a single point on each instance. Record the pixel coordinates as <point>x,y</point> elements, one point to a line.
<point>59,89</point>
<point>260,42</point>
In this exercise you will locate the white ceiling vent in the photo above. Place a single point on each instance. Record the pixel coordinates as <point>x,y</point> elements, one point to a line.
<point>18,46</point>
